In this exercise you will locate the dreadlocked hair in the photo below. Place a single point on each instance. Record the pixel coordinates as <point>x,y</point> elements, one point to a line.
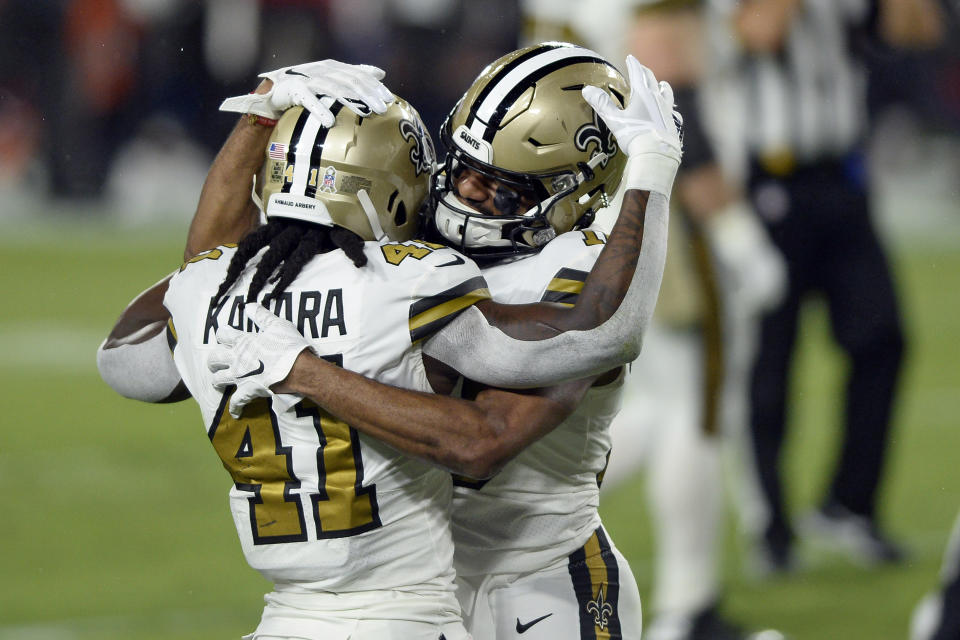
<point>291,244</point>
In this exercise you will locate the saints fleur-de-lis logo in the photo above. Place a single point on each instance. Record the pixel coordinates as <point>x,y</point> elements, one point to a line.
<point>422,155</point>
<point>601,610</point>
<point>597,133</point>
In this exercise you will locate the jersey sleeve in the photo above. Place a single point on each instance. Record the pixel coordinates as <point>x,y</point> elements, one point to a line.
<point>189,288</point>
<point>568,264</point>
<point>450,284</point>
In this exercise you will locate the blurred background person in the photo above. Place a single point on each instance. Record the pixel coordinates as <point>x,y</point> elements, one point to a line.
<point>795,68</point>
<point>937,616</point>
<point>110,105</point>
<point>687,391</point>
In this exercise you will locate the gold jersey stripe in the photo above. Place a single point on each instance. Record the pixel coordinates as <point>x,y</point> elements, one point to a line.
<point>429,322</point>
<point>603,471</point>
<point>562,299</point>
<point>429,315</point>
<point>565,287</point>
<point>572,274</point>
<point>171,335</point>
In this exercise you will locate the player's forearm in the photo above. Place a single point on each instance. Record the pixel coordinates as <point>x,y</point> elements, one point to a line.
<point>142,319</point>
<point>456,434</point>
<point>603,290</point>
<point>225,212</point>
<point>612,274</point>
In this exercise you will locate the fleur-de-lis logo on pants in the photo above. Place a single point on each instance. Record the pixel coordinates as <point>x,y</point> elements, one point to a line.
<point>601,609</point>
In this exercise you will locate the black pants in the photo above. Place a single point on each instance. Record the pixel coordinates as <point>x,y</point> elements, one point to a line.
<point>820,219</point>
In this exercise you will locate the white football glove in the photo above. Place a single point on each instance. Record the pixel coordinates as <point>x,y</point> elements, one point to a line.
<point>648,129</point>
<point>752,270</point>
<point>316,86</point>
<point>254,361</point>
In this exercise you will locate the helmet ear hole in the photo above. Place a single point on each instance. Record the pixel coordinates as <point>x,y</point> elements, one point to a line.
<point>400,217</point>
<point>619,96</point>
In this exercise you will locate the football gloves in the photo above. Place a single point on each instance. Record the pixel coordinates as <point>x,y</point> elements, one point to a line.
<point>254,361</point>
<point>751,270</point>
<point>316,86</point>
<point>648,129</point>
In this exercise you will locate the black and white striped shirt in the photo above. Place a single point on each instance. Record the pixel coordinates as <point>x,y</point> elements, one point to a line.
<point>806,101</point>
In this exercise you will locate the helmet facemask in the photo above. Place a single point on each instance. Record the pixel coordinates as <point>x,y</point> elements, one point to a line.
<point>524,126</point>
<point>523,203</point>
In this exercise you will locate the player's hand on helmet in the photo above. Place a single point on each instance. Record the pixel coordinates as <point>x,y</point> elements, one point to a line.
<point>316,86</point>
<point>648,129</point>
<point>254,361</point>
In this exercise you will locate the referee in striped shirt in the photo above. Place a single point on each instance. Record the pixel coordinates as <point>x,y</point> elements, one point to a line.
<point>801,91</point>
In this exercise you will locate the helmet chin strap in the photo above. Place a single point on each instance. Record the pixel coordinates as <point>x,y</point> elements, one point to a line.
<point>255,196</point>
<point>367,204</point>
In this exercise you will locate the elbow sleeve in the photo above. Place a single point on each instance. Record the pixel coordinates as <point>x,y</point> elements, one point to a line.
<point>143,371</point>
<point>484,353</point>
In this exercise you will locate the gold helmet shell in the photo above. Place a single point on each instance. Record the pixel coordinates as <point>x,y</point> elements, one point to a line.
<point>524,120</point>
<point>364,172</point>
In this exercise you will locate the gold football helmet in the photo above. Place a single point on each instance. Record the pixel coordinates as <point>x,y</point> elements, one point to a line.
<point>524,125</point>
<point>367,174</point>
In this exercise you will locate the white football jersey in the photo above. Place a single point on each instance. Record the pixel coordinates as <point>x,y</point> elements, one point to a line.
<point>542,506</point>
<point>317,505</point>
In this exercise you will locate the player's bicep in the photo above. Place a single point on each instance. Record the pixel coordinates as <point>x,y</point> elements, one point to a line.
<point>144,318</point>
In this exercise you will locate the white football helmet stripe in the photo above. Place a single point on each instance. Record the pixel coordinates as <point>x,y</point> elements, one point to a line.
<point>301,166</point>
<point>503,86</point>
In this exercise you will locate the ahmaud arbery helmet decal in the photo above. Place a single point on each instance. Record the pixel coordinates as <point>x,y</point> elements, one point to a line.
<point>524,123</point>
<point>367,174</point>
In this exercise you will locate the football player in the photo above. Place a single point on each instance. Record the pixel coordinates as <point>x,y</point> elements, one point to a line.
<point>531,554</point>
<point>685,398</point>
<point>290,460</point>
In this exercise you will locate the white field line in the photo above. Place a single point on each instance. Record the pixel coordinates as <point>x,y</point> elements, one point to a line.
<point>49,346</point>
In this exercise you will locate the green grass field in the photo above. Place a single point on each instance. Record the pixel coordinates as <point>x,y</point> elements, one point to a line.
<point>115,520</point>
